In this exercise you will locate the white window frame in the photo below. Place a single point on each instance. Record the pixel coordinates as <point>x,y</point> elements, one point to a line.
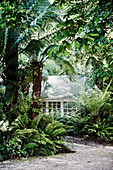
<point>61,101</point>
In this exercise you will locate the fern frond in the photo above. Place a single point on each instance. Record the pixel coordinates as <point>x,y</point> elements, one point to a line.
<point>21,122</point>
<point>59,132</point>
<point>51,126</point>
<point>15,141</point>
<point>60,142</point>
<point>30,145</point>
<point>26,131</point>
<point>49,141</point>
<point>36,121</point>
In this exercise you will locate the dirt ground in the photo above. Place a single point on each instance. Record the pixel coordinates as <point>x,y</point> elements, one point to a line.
<point>87,156</point>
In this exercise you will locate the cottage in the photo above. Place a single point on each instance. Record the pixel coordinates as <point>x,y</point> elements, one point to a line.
<point>57,94</point>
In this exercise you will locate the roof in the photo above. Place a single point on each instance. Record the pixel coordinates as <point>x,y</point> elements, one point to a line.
<point>60,87</point>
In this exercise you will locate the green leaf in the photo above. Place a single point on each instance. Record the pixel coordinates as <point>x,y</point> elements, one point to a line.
<point>49,141</point>
<point>98,29</point>
<point>60,37</point>
<point>30,145</point>
<point>65,33</point>
<point>66,53</point>
<point>36,121</point>
<point>55,50</point>
<point>49,128</point>
<point>94,35</point>
<point>90,39</point>
<point>57,146</point>
<point>77,45</point>
<point>59,142</point>
<point>109,128</point>
<point>98,74</point>
<point>106,15</point>
<point>86,48</point>
<point>61,48</point>
<point>58,132</point>
<point>31,29</point>
<point>59,54</point>
<point>68,46</point>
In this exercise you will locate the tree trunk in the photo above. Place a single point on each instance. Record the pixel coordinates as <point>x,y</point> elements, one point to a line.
<point>37,79</point>
<point>24,86</point>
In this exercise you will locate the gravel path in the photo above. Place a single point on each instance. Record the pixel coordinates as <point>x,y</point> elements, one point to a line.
<point>86,157</point>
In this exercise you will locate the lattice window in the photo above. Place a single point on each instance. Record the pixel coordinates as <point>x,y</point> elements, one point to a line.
<point>54,106</point>
<point>43,106</point>
<point>58,106</point>
<point>68,106</point>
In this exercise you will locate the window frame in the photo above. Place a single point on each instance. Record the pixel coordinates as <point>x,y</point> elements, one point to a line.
<point>61,109</point>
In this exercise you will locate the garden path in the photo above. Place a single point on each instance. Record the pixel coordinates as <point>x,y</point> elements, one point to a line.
<point>87,156</point>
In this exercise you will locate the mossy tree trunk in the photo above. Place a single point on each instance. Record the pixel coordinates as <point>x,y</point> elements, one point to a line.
<point>37,79</point>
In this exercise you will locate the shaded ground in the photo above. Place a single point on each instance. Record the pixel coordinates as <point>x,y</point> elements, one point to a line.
<point>91,156</point>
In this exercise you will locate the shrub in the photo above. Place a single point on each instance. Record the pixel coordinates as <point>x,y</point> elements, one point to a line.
<point>100,128</point>
<point>42,136</point>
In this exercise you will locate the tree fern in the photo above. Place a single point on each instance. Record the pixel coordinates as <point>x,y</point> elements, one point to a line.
<point>95,100</point>
<point>34,13</point>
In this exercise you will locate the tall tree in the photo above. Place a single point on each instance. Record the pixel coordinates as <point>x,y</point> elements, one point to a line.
<point>9,28</point>
<point>30,16</point>
<point>41,48</point>
<point>18,21</point>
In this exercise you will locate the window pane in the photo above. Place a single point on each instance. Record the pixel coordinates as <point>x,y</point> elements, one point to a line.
<point>50,106</point>
<point>58,105</point>
<point>54,104</point>
<point>65,104</point>
<point>43,106</point>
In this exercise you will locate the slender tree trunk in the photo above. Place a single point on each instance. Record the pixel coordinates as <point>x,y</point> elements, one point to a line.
<point>24,86</point>
<point>37,79</point>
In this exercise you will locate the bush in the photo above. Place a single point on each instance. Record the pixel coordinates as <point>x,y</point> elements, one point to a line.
<point>41,136</point>
<point>87,126</point>
<point>101,129</point>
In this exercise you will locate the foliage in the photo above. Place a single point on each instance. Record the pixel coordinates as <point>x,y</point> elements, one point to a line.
<point>82,33</point>
<point>11,149</point>
<point>86,19</point>
<point>101,62</point>
<point>16,28</point>
<point>100,129</point>
<point>95,100</point>
<point>85,126</point>
<point>74,122</point>
<point>70,120</point>
<point>51,68</point>
<point>92,115</point>
<point>22,106</point>
<point>86,33</point>
<point>42,136</point>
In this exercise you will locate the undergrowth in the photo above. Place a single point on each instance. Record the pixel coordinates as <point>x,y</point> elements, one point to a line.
<point>25,137</point>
